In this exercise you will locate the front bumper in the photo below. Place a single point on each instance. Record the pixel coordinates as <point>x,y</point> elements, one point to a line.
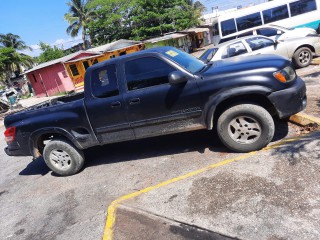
<point>291,100</point>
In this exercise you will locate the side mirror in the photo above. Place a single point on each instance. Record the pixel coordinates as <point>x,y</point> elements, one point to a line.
<point>177,77</point>
<point>276,42</point>
<point>279,32</point>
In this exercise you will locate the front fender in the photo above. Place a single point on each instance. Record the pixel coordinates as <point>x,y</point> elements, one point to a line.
<point>223,95</point>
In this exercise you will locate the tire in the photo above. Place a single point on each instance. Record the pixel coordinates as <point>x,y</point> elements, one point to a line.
<point>302,57</point>
<point>62,157</point>
<point>245,127</point>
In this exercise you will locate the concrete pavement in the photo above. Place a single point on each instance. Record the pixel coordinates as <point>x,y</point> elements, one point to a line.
<point>273,194</point>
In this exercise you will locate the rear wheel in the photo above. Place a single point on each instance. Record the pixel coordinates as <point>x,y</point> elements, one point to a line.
<point>62,157</point>
<point>245,127</point>
<point>302,57</point>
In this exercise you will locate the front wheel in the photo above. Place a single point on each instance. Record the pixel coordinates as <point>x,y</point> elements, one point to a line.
<point>245,127</point>
<point>302,57</point>
<point>62,157</point>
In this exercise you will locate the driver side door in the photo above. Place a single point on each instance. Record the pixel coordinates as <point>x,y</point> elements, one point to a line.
<point>154,107</point>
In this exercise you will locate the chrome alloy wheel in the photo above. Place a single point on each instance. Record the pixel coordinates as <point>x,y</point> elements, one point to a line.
<point>304,57</point>
<point>60,159</point>
<point>245,130</point>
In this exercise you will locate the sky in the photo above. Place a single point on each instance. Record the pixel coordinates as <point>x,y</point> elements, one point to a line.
<point>42,20</point>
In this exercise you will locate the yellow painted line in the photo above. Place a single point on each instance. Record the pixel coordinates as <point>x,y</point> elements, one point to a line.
<point>111,215</point>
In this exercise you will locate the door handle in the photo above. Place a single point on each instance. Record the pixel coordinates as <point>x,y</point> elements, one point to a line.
<point>116,104</point>
<point>134,101</point>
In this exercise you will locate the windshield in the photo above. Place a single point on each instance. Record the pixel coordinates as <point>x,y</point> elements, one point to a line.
<point>184,59</point>
<point>208,55</point>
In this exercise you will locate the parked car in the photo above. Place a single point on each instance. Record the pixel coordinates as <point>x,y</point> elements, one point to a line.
<point>157,92</point>
<point>275,32</point>
<point>299,50</point>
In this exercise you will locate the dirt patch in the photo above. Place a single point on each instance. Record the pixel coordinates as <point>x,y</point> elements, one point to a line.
<point>302,130</point>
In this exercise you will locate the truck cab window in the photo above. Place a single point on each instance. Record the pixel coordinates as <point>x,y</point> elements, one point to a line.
<point>146,72</point>
<point>104,82</point>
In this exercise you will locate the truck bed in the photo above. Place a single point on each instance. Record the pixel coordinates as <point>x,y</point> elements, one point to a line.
<point>52,102</point>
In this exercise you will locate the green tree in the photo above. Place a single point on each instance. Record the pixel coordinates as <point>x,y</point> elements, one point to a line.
<point>112,20</point>
<point>156,17</point>
<point>78,17</point>
<point>49,53</point>
<point>11,61</point>
<point>14,41</point>
<point>139,19</point>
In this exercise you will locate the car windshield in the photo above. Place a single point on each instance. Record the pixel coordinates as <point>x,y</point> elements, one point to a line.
<point>207,55</point>
<point>184,59</point>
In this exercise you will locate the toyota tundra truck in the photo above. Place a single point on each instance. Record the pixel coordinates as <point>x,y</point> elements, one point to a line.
<point>157,92</point>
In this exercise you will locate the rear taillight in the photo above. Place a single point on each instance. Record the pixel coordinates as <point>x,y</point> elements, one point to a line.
<point>10,134</point>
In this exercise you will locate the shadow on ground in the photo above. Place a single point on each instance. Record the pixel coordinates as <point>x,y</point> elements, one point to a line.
<point>36,167</point>
<point>152,147</point>
<point>197,141</point>
<point>307,147</point>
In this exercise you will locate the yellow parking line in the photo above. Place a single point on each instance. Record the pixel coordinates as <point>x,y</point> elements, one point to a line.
<point>111,217</point>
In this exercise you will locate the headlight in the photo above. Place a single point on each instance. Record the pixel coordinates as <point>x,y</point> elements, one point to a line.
<point>285,75</point>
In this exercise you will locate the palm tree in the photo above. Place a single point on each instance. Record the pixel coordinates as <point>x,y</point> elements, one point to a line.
<point>78,17</point>
<point>14,41</point>
<point>197,7</point>
<point>11,61</point>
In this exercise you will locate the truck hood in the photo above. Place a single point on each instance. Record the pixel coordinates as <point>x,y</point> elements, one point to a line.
<point>268,62</point>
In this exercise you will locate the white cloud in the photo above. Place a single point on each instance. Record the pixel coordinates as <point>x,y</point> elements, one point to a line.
<point>60,43</point>
<point>35,46</point>
<point>67,43</point>
<point>33,53</point>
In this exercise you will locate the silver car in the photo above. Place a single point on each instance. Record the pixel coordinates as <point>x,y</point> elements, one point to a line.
<point>300,50</point>
<point>274,32</point>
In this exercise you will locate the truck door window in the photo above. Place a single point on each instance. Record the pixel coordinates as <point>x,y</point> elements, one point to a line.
<point>104,82</point>
<point>146,72</point>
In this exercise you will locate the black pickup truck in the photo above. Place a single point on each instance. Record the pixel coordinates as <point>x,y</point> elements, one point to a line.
<point>155,92</point>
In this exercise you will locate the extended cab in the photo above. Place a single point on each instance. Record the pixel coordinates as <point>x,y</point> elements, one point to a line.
<point>156,92</point>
